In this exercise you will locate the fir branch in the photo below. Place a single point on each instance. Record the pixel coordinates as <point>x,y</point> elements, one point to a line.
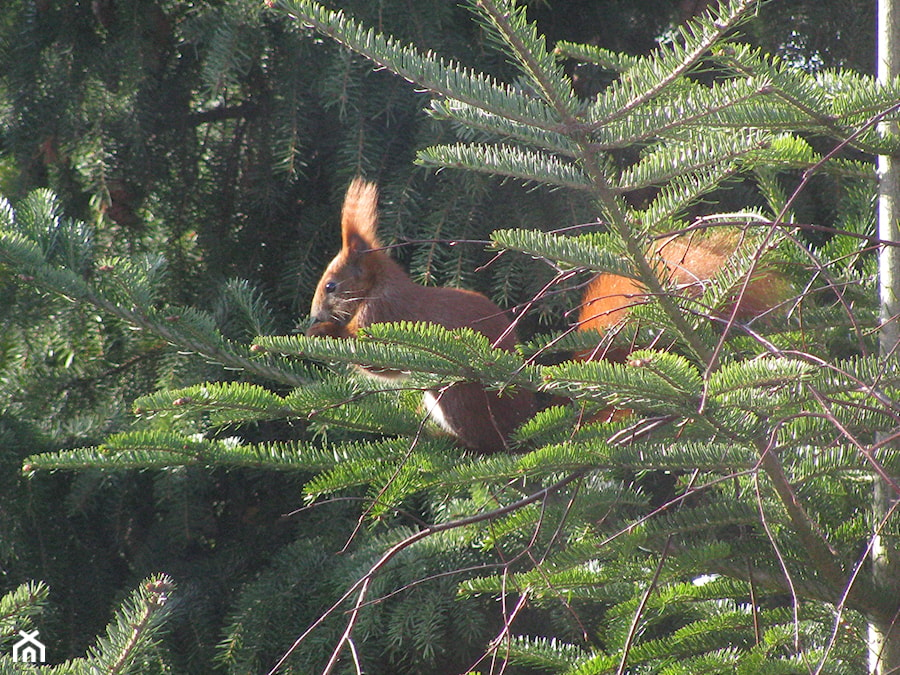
<point>693,154</point>
<point>254,311</point>
<point>380,465</point>
<point>587,451</point>
<point>425,69</point>
<point>472,120</point>
<point>681,192</point>
<point>160,450</point>
<point>688,106</point>
<point>651,76</point>
<point>603,58</point>
<point>529,50</point>
<point>505,160</point>
<point>662,73</point>
<point>621,225</point>
<point>344,403</point>
<point>809,97</point>
<point>763,373</point>
<point>433,353</point>
<point>596,252</point>
<point>134,627</point>
<point>656,380</point>
<point>249,401</point>
<point>19,606</point>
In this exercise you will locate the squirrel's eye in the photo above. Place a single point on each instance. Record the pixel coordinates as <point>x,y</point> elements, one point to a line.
<point>331,287</point>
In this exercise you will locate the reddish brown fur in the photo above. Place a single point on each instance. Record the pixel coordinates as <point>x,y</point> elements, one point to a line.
<point>363,285</point>
<point>688,264</point>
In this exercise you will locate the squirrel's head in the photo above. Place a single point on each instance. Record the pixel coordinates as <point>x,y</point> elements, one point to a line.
<point>349,279</point>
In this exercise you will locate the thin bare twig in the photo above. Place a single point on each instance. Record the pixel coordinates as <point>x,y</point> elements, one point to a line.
<point>795,598</point>
<point>636,619</point>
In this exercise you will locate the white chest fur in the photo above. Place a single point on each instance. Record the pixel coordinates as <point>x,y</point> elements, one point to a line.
<point>433,408</point>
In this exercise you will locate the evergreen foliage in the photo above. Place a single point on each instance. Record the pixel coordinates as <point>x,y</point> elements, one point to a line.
<point>131,642</point>
<point>720,526</point>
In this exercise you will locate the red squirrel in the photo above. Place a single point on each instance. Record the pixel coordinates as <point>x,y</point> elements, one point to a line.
<point>688,263</point>
<point>362,285</point>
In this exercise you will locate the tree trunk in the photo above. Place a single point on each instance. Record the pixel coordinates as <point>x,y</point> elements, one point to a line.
<point>884,636</point>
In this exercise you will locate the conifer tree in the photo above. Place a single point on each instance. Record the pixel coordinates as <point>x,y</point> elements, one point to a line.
<point>721,527</point>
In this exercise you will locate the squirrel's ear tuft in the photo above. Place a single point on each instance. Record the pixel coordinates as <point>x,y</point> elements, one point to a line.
<point>359,218</point>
